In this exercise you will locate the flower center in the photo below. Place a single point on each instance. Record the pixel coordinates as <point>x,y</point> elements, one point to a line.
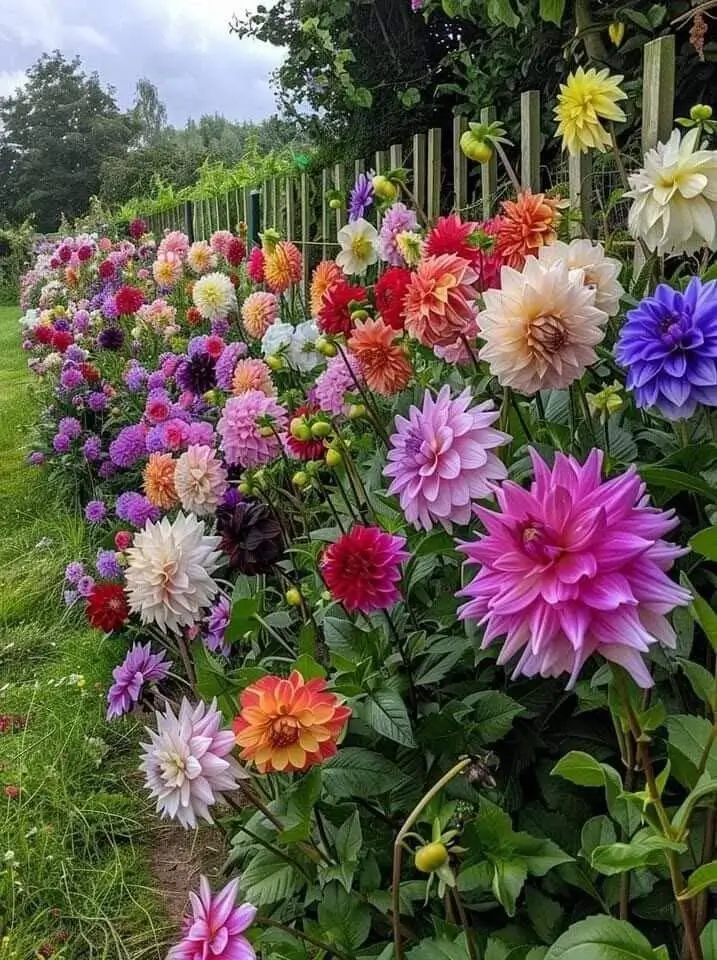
<point>361,247</point>
<point>546,335</point>
<point>672,332</point>
<point>538,543</point>
<point>284,731</point>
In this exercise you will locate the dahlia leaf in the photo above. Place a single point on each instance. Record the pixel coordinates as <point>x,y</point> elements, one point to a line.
<point>441,949</point>
<point>509,876</point>
<point>702,612</point>
<point>693,739</point>
<point>705,543</point>
<point>602,938</point>
<point>309,668</point>
<point>677,481</point>
<point>708,940</point>
<point>343,918</point>
<point>268,878</point>
<point>545,914</point>
<point>701,879</point>
<point>702,682</point>
<point>552,10</point>
<point>386,712</point>
<point>355,771</point>
<point>641,852</point>
<point>705,787</point>
<point>492,714</point>
<point>349,839</point>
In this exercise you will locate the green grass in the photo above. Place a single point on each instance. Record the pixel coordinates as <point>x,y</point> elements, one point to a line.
<point>74,842</point>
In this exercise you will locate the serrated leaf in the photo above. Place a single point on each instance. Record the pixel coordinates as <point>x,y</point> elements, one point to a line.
<point>702,612</point>
<point>348,839</point>
<point>640,852</point>
<point>355,771</point>
<point>601,938</point>
<point>440,949</point>
<point>508,879</point>
<point>703,683</point>
<point>267,878</point>
<point>552,10</point>
<point>492,714</point>
<point>386,713</point>
<point>692,737</point>
<point>344,919</point>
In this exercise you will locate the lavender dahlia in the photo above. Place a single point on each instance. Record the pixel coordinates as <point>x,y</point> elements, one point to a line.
<point>217,623</point>
<point>140,666</point>
<point>361,197</point>
<point>441,458</point>
<point>129,446</point>
<point>135,509</point>
<point>108,565</point>
<point>188,762</point>
<point>95,511</point>
<point>571,567</point>
<point>397,219</point>
<point>669,347</point>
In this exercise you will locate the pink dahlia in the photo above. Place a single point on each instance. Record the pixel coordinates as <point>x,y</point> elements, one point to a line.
<point>216,926</point>
<point>250,428</point>
<point>174,242</point>
<point>340,377</point>
<point>440,300</point>
<point>362,569</point>
<point>441,458</point>
<point>572,567</point>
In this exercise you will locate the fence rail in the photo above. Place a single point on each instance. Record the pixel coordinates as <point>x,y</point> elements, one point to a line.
<point>439,180</point>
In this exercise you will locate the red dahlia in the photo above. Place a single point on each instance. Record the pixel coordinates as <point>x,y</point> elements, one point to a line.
<point>44,334</point>
<point>90,372</point>
<point>106,270</point>
<point>194,317</point>
<point>450,235</point>
<point>312,449</point>
<point>363,567</point>
<point>390,291</point>
<point>255,265</point>
<point>335,313</point>
<point>137,228</point>
<point>235,251</point>
<point>107,608</point>
<point>128,300</point>
<point>61,340</point>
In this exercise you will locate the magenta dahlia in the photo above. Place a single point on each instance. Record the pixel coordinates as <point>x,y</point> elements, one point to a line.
<point>216,925</point>
<point>251,428</point>
<point>441,458</point>
<point>363,567</point>
<point>571,567</point>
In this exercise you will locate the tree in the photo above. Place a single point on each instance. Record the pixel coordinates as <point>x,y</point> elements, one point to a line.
<point>55,132</point>
<point>149,112</point>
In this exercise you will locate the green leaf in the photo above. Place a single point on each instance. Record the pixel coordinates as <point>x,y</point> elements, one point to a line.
<point>545,914</point>
<point>410,97</point>
<point>552,10</point>
<point>597,832</point>
<point>601,938</point>
<point>300,806</point>
<point>242,619</point>
<point>539,853</point>
<point>355,771</point>
<point>267,878</point>
<point>440,949</point>
<point>500,11</point>
<point>705,543</point>
<point>385,711</point>
<point>309,668</point>
<point>363,97</point>
<point>349,839</point>
<point>677,481</point>
<point>492,714</point>
<point>582,769</point>
<point>693,737</point>
<point>705,786</point>
<point>344,919</point>
<point>508,879</point>
<point>702,682</point>
<point>640,852</point>
<point>702,612</point>
<point>700,879</point>
<point>708,940</point>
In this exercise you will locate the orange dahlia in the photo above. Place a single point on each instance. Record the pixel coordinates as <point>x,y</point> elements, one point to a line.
<point>439,303</point>
<point>252,374</point>
<point>158,480</point>
<point>287,725</point>
<point>326,274</point>
<point>258,312</point>
<point>384,364</point>
<point>527,224</point>
<point>282,267</point>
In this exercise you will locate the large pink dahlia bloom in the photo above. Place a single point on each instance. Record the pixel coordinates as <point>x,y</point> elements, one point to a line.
<point>441,460</point>
<point>216,926</point>
<point>251,428</point>
<point>571,567</point>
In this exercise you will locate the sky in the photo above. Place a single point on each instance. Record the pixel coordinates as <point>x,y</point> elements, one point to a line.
<point>183,46</point>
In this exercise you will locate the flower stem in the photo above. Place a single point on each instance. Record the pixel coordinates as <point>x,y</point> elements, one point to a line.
<point>330,950</point>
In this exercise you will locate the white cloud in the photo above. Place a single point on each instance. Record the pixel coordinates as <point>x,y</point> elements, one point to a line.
<point>10,80</point>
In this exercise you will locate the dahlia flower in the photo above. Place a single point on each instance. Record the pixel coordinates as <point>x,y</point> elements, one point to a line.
<point>669,347</point>
<point>359,247</point>
<point>111,338</point>
<point>108,566</point>
<point>216,926</point>
<point>362,569</point>
<point>325,275</point>
<point>599,270</point>
<point>439,301</point>
<point>340,377</point>
<point>311,449</point>
<point>167,270</point>
<point>541,329</point>
<point>158,480</point>
<point>301,354</point>
<point>360,197</point>
<point>220,240</point>
<point>188,763</point>
<point>226,363</point>
<point>397,219</point>
<point>527,223</point>
<point>586,98</point>
<point>197,374</point>
<point>276,339</point>
<point>252,374</point>
<point>441,458</point>
<point>200,480</point>
<point>168,577</point>
<point>214,296</point>
<point>95,511</point>
<point>235,251</point>
<point>174,242</point>
<point>288,725</point>
<point>335,313</point>
<point>390,292</point>
<point>242,434</point>
<point>255,265</point>
<point>572,567</point>
<point>201,258</point>
<point>128,300</point>
<point>283,266</point>
<point>674,208</point>
<point>258,312</point>
<point>385,365</point>
<point>129,446</point>
<point>250,536</point>
<point>140,666</point>
<point>217,623</point>
<point>410,246</point>
<point>135,509</point>
<point>107,608</point>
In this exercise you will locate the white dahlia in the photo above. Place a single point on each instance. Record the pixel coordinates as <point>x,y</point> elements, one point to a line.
<point>599,271</point>
<point>200,479</point>
<point>359,246</point>
<point>168,575</point>
<point>214,296</point>
<point>188,762</point>
<point>674,195</point>
<point>541,328</point>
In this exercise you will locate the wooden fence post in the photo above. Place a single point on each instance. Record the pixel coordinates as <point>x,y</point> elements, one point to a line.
<point>419,170</point>
<point>290,208</point>
<point>189,219</point>
<point>324,215</point>
<point>460,165</point>
<point>530,140</point>
<point>396,156</point>
<point>580,182</point>
<point>340,185</point>
<point>253,219</point>
<point>658,91</point>
<point>305,232</point>
<point>435,165</point>
<point>488,171</point>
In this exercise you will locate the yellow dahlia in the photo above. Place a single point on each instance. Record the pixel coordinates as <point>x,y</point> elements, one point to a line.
<point>586,98</point>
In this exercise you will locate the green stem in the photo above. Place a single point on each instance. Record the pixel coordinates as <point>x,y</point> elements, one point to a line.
<point>330,950</point>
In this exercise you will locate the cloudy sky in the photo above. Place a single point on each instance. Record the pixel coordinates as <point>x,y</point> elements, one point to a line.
<point>183,46</point>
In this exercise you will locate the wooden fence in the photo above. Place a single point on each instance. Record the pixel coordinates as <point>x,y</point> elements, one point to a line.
<point>439,180</point>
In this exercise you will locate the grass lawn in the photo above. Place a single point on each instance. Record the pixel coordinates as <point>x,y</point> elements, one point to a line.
<point>74,837</point>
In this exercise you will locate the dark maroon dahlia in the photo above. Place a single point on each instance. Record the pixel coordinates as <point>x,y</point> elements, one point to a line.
<point>250,536</point>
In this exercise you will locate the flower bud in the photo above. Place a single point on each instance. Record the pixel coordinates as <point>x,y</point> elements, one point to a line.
<point>335,204</point>
<point>320,429</point>
<point>293,597</point>
<point>476,148</point>
<point>274,362</point>
<point>299,429</point>
<point>300,479</point>
<point>357,411</point>
<point>325,347</point>
<point>383,188</point>
<point>333,458</point>
<point>616,32</point>
<point>431,857</point>
<point>700,112</point>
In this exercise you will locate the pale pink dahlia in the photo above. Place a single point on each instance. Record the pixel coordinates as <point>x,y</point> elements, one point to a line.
<point>214,929</point>
<point>572,567</point>
<point>441,458</point>
<point>188,763</point>
<point>250,428</point>
<point>200,479</point>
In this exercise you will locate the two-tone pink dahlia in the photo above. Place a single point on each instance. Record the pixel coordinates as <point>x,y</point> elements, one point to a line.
<point>362,569</point>
<point>215,929</point>
<point>439,303</point>
<point>571,567</point>
<point>251,427</point>
<point>441,458</point>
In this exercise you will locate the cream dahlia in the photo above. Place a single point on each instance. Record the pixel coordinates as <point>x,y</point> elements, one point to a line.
<point>200,479</point>
<point>214,296</point>
<point>168,575</point>
<point>359,247</point>
<point>599,270</point>
<point>540,329</point>
<point>674,195</point>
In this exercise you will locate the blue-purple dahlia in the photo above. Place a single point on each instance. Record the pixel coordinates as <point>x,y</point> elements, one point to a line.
<point>361,197</point>
<point>129,445</point>
<point>107,565</point>
<point>95,511</point>
<point>140,666</point>
<point>669,347</point>
<point>217,623</point>
<point>135,509</point>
